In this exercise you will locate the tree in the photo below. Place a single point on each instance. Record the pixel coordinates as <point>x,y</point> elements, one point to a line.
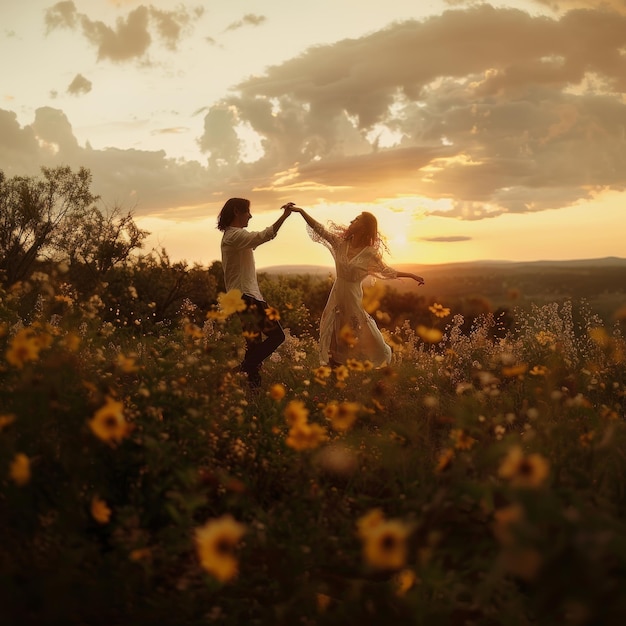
<point>32,213</point>
<point>96,242</point>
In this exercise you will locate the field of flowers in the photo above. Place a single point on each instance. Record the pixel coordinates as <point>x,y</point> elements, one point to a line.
<point>479,479</point>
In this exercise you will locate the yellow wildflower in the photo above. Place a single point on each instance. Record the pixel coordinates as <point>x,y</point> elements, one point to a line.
<point>404,580</point>
<point>385,546</point>
<point>140,554</point>
<point>345,415</point>
<point>216,543</point>
<point>126,364</point>
<point>462,441</point>
<point>19,469</point>
<point>348,336</point>
<point>305,436</point>
<point>24,347</point>
<point>6,420</point>
<point>372,295</point>
<point>538,370</point>
<point>341,372</point>
<point>109,423</point>
<point>504,521</point>
<point>524,471</point>
<point>100,510</point>
<point>355,365</point>
<point>513,371</point>
<point>438,310</point>
<point>444,460</point>
<point>272,314</point>
<point>296,412</point>
<point>231,302</point>
<point>323,371</point>
<point>368,522</point>
<point>277,392</point>
<point>429,335</point>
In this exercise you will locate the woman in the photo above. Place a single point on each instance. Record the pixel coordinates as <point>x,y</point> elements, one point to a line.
<point>347,331</point>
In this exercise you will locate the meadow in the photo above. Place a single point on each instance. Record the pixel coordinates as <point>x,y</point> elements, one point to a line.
<point>478,479</point>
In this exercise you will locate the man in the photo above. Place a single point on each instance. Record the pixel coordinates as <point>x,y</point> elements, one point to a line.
<point>240,273</point>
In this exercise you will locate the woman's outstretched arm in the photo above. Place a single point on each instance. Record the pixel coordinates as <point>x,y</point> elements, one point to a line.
<point>415,277</point>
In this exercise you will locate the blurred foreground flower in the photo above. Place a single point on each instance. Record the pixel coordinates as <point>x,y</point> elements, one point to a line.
<point>100,510</point>
<point>231,302</point>
<point>305,436</point>
<point>296,412</point>
<point>277,392</point>
<point>24,347</point>
<point>429,335</point>
<point>384,541</point>
<point>524,471</point>
<point>109,423</point>
<point>19,469</point>
<point>216,543</point>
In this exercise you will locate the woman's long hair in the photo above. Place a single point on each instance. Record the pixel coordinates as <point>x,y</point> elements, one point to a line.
<point>232,207</point>
<point>372,236</point>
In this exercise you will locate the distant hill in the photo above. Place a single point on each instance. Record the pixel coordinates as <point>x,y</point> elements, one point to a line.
<point>467,265</point>
<point>503,284</point>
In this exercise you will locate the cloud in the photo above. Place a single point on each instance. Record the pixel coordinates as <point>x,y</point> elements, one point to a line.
<point>132,35</point>
<point>497,110</point>
<point>488,110</point>
<point>247,20</point>
<point>450,239</point>
<point>79,86</point>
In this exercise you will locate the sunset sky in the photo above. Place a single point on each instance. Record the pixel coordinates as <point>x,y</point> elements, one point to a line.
<point>472,130</point>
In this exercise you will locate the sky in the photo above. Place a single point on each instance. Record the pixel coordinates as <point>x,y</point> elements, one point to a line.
<point>473,131</point>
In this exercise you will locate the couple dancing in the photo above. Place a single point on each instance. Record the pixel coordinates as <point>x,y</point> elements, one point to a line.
<point>357,250</point>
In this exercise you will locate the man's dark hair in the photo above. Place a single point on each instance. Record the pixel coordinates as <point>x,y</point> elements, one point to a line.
<point>232,207</point>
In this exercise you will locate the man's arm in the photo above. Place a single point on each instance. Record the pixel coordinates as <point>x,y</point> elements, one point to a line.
<point>281,220</point>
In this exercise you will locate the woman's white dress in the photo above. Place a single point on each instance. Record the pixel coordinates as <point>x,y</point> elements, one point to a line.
<point>344,316</point>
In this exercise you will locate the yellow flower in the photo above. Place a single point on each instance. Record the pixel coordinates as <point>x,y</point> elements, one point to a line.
<point>6,420</point>
<point>126,364</point>
<point>231,302</point>
<point>368,522</point>
<point>323,371</point>
<point>372,295</point>
<point>404,580</point>
<point>355,365</point>
<point>109,423</point>
<point>71,341</point>
<point>345,415</point>
<point>24,347</point>
<point>140,554</point>
<point>100,510</point>
<point>19,469</point>
<point>504,521</point>
<point>272,314</point>
<point>277,392</point>
<point>429,335</point>
<point>462,441</point>
<point>385,546</point>
<point>348,336</point>
<point>296,412</point>
<point>216,543</point>
<point>524,471</point>
<point>514,371</point>
<point>538,370</point>
<point>586,438</point>
<point>304,436</point>
<point>342,372</point>
<point>439,310</point>
<point>192,331</point>
<point>444,460</point>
